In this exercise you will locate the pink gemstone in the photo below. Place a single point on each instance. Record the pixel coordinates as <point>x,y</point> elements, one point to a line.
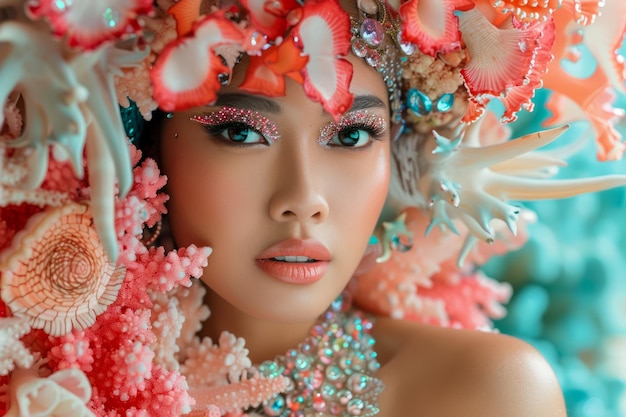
<point>359,47</point>
<point>372,32</point>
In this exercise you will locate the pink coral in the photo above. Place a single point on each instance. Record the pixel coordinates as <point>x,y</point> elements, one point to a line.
<point>167,323</point>
<point>240,395</point>
<point>72,351</point>
<point>215,365</point>
<point>12,350</point>
<point>470,301</point>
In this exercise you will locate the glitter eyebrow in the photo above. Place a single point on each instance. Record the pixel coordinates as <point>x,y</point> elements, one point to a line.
<point>356,118</point>
<point>251,118</point>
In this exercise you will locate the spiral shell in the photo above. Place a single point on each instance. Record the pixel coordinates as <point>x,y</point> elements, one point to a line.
<point>56,273</point>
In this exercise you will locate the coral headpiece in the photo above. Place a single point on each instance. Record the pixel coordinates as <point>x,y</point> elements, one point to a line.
<point>104,324</point>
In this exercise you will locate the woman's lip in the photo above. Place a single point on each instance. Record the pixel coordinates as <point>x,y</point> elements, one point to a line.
<point>295,272</point>
<point>310,248</point>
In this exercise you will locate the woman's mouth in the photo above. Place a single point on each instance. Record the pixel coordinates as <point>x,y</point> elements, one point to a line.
<point>298,259</point>
<point>295,261</point>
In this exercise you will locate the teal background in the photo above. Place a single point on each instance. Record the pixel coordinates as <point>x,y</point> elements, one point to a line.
<point>570,278</point>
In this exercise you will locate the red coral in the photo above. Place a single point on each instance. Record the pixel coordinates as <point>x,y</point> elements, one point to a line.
<point>470,301</point>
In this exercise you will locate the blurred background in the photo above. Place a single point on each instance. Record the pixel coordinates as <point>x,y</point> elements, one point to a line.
<point>570,278</point>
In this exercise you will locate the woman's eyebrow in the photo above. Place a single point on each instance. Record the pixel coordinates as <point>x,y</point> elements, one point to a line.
<point>248,102</point>
<point>367,101</point>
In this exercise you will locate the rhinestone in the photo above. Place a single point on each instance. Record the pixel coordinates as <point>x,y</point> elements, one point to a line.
<point>372,58</point>
<point>445,102</point>
<point>63,5</point>
<point>275,406</point>
<point>401,242</point>
<point>302,362</point>
<point>295,402</point>
<point>110,17</point>
<point>333,373</point>
<point>359,47</point>
<point>318,402</point>
<point>223,78</point>
<point>418,102</point>
<point>357,383</point>
<point>344,396</point>
<point>355,407</point>
<point>372,32</point>
<point>407,48</point>
<point>328,391</point>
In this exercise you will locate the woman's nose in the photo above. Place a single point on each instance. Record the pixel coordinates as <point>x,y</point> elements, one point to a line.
<point>299,194</point>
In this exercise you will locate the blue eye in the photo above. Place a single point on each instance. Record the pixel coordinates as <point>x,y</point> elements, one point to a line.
<point>235,133</point>
<point>351,137</point>
<point>243,134</point>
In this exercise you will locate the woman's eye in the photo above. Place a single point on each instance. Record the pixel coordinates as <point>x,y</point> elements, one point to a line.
<point>242,134</point>
<point>354,138</point>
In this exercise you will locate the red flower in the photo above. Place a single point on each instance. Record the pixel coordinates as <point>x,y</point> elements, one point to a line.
<point>186,73</point>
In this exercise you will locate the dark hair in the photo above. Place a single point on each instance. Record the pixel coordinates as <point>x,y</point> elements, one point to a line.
<point>141,133</point>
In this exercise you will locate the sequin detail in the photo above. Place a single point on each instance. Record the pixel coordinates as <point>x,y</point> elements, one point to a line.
<point>331,370</point>
<point>251,118</point>
<point>356,120</point>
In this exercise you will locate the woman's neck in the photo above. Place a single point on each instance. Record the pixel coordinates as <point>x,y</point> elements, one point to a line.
<point>264,339</point>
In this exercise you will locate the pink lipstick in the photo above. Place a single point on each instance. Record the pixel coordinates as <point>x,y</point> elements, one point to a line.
<point>295,261</point>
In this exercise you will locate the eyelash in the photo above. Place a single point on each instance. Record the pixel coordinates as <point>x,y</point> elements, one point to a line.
<point>218,129</point>
<point>218,122</point>
<point>374,126</point>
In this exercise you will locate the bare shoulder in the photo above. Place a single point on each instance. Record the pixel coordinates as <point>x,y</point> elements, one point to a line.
<point>432,371</point>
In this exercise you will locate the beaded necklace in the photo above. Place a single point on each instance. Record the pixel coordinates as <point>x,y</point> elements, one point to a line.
<point>331,371</point>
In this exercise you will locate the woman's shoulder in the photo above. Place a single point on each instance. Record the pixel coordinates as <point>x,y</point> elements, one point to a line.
<point>434,371</point>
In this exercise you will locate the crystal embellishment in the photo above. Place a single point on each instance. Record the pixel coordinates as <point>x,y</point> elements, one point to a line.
<point>331,370</point>
<point>372,32</point>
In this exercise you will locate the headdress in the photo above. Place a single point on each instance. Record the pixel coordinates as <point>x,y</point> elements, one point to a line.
<point>92,313</point>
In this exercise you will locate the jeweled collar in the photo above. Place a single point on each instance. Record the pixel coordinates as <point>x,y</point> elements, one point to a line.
<point>331,371</point>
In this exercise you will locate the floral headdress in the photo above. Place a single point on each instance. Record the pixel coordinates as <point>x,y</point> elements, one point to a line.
<point>104,323</point>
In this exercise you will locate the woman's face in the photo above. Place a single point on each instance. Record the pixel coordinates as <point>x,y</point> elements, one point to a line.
<point>286,198</point>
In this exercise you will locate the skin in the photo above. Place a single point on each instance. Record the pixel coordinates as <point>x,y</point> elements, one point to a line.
<point>240,201</point>
<point>256,196</point>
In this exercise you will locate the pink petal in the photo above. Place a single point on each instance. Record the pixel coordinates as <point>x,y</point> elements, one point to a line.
<point>432,25</point>
<point>269,17</point>
<point>324,32</point>
<point>186,72</point>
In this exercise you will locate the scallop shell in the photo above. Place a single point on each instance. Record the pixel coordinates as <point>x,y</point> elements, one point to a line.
<point>56,274</point>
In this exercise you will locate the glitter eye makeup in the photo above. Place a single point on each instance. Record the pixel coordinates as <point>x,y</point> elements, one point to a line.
<point>227,117</point>
<point>374,125</point>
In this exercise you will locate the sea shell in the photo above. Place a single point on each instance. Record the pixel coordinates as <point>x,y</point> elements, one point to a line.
<point>56,273</point>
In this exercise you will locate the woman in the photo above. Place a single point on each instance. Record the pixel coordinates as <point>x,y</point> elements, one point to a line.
<point>283,175</point>
<point>319,196</point>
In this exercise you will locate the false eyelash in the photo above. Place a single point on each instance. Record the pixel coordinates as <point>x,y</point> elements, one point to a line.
<point>226,117</point>
<point>375,125</point>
